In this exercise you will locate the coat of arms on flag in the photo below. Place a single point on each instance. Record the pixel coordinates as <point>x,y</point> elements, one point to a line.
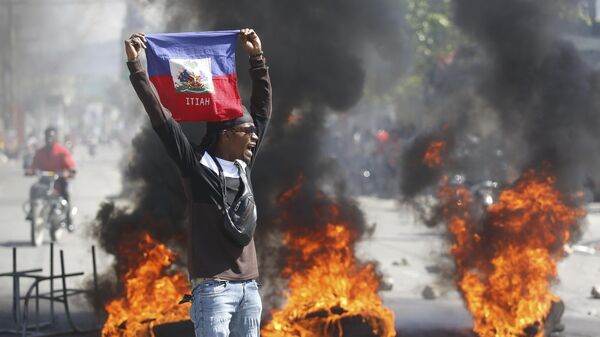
<point>194,74</point>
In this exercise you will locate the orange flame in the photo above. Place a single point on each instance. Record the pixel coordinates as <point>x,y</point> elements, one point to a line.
<point>327,285</point>
<point>506,267</point>
<point>433,155</point>
<point>151,295</point>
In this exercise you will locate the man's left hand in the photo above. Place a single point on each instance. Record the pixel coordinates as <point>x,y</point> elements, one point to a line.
<point>251,41</point>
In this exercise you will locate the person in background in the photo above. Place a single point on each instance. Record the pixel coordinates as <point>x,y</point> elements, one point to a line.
<point>58,159</point>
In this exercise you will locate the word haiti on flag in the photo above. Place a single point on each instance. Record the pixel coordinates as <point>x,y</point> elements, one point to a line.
<point>194,74</point>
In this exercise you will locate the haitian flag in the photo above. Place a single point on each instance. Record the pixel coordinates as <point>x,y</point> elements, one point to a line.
<point>194,74</point>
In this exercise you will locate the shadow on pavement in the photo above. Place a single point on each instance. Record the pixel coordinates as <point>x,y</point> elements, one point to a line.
<point>15,244</point>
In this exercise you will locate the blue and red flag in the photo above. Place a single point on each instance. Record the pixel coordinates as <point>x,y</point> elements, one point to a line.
<point>194,74</point>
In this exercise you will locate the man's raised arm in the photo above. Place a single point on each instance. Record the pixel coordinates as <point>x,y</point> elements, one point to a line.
<point>139,79</point>
<point>260,101</point>
<point>170,132</point>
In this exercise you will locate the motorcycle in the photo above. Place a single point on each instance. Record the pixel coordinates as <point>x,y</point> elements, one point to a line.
<point>46,208</point>
<point>484,193</point>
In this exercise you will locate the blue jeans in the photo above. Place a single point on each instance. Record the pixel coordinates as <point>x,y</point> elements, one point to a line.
<point>226,308</point>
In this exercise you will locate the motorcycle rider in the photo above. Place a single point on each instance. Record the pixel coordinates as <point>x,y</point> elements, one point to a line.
<point>56,158</point>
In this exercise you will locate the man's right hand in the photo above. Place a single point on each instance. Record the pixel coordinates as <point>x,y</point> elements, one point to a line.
<point>133,45</point>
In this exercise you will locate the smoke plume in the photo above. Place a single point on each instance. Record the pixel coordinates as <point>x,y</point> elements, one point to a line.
<point>527,99</point>
<point>518,98</point>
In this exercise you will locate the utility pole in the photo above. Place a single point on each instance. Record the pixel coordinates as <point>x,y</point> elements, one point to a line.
<point>10,116</point>
<point>7,70</point>
<point>11,62</point>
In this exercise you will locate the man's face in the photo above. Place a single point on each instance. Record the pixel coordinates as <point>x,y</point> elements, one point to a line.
<point>50,137</point>
<point>242,141</point>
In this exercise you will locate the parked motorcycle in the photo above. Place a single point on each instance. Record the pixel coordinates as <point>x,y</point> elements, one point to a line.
<point>46,208</point>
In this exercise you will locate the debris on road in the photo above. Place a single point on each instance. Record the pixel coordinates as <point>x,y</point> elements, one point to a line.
<point>433,269</point>
<point>403,262</point>
<point>596,291</point>
<point>429,293</point>
<point>387,283</point>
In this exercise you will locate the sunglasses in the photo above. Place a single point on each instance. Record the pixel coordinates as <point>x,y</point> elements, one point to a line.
<point>246,129</point>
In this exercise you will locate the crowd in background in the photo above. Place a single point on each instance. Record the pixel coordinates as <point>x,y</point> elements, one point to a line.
<point>369,150</point>
<point>94,126</point>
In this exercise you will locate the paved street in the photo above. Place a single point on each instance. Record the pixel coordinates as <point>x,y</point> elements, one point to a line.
<point>399,236</point>
<point>98,177</point>
<point>403,247</point>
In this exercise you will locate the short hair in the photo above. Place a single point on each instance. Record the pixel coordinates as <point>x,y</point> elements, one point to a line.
<point>50,129</point>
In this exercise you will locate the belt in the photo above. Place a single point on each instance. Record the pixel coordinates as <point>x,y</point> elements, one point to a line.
<point>197,280</point>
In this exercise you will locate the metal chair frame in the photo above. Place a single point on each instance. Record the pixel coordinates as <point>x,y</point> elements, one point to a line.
<point>60,295</point>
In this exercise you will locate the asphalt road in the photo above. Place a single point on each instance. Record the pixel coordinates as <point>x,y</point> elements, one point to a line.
<point>405,249</point>
<point>399,235</point>
<point>98,177</point>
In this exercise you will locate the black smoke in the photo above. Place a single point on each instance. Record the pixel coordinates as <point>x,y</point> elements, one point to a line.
<point>316,52</point>
<point>538,83</point>
<point>525,93</point>
<point>518,95</point>
<point>152,200</point>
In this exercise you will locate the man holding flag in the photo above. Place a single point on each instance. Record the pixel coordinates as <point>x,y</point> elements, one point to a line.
<point>194,76</point>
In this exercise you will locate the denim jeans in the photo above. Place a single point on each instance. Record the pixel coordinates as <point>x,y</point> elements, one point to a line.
<point>226,308</point>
